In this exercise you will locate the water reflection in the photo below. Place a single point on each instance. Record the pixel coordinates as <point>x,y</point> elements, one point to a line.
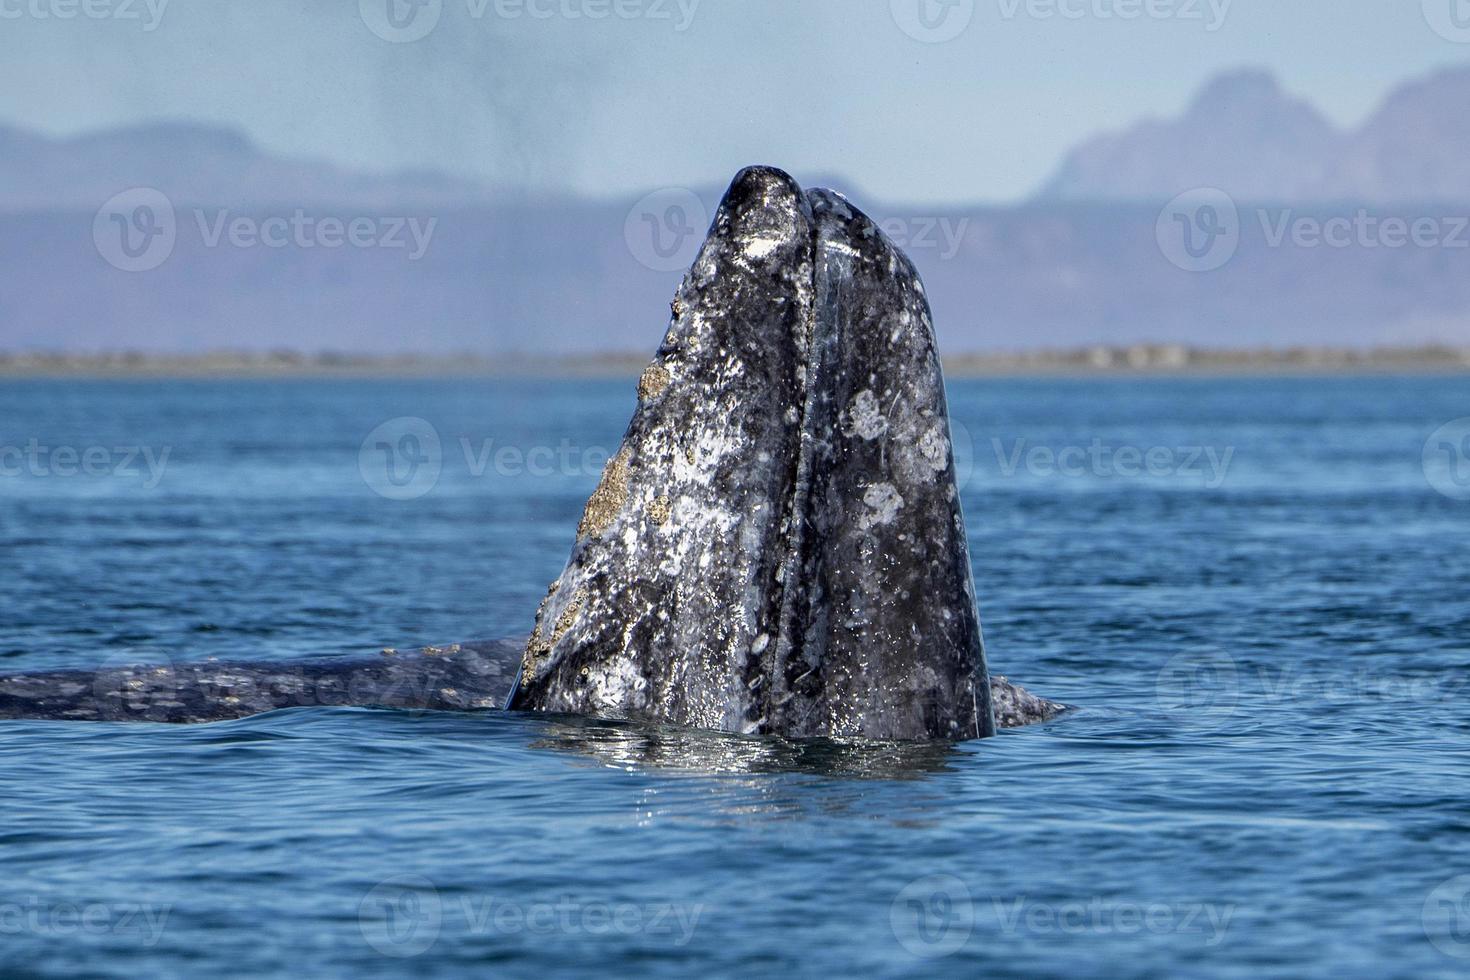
<point>632,746</point>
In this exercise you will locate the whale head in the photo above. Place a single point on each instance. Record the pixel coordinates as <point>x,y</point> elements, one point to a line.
<point>777,547</point>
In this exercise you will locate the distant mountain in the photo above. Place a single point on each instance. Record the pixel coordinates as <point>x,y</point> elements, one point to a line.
<point>1416,148</point>
<point>1246,136</point>
<point>1241,134</point>
<point>196,164</point>
<point>1086,264</point>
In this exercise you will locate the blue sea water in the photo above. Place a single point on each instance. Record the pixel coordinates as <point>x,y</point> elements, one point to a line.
<point>1255,591</point>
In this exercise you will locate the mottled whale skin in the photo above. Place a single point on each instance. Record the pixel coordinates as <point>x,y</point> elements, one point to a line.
<point>667,610</point>
<point>778,546</point>
<point>776,549</point>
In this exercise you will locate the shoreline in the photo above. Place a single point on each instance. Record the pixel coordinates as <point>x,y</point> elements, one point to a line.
<point>1139,361</point>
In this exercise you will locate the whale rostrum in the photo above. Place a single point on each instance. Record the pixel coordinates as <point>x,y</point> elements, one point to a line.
<point>778,547</point>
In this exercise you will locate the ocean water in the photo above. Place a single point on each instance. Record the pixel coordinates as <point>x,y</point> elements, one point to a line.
<point>1254,591</point>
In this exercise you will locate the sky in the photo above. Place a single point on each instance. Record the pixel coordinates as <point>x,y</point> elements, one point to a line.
<point>911,100</point>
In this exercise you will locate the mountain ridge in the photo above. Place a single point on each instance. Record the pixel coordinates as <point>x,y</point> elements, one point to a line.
<point>558,275</point>
<point>1244,134</point>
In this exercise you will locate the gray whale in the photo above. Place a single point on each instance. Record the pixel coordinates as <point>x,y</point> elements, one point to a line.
<point>777,548</point>
<point>457,677</point>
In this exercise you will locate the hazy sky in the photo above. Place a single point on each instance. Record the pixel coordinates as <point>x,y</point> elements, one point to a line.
<point>545,94</point>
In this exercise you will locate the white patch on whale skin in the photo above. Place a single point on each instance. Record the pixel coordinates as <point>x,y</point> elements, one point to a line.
<point>761,248</point>
<point>617,686</point>
<point>865,416</point>
<point>883,502</point>
<point>934,447</point>
<point>904,321</point>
